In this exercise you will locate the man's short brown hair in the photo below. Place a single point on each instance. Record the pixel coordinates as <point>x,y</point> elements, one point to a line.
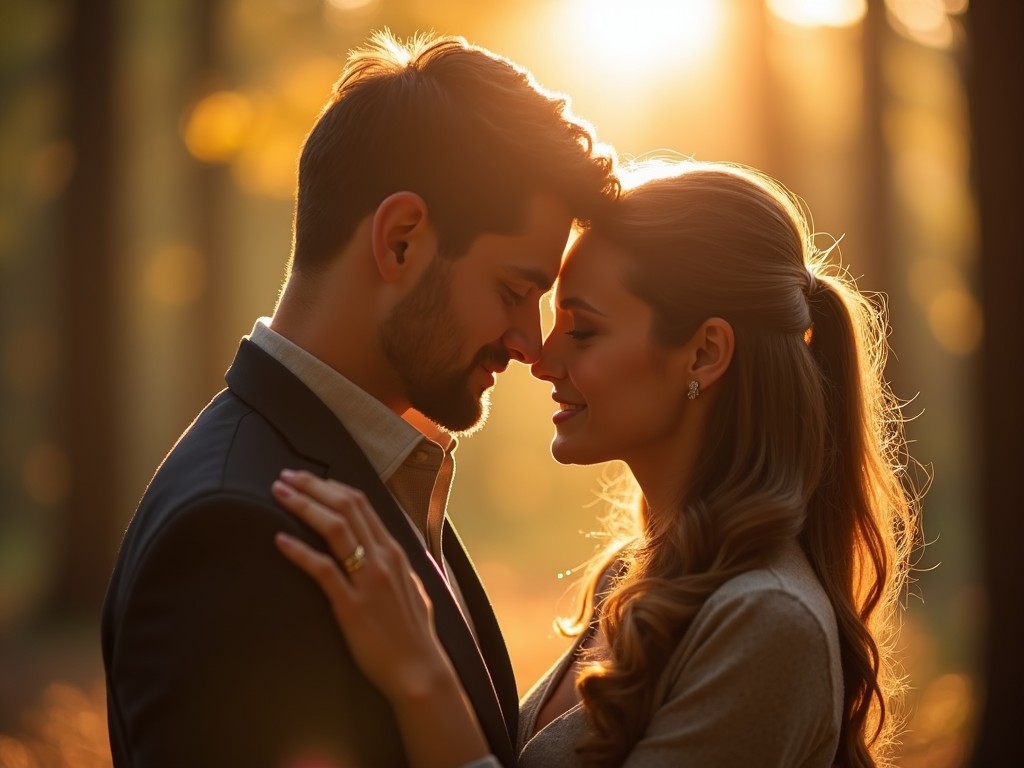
<point>467,130</point>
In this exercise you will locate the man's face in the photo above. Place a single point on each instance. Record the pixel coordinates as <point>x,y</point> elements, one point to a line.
<point>468,317</point>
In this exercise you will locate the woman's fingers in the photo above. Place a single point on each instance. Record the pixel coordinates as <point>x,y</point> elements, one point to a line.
<point>340,526</point>
<point>322,569</point>
<point>383,611</point>
<point>334,528</point>
<point>344,518</point>
<point>350,502</point>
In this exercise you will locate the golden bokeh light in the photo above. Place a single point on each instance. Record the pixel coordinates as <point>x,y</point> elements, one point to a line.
<point>927,22</point>
<point>268,169</point>
<point>281,110</point>
<point>216,128</point>
<point>175,276</point>
<point>65,727</point>
<point>955,319</point>
<point>303,86</point>
<point>944,707</point>
<point>819,13</point>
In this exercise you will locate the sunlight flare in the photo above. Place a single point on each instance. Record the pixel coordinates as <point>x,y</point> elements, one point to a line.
<point>645,34</point>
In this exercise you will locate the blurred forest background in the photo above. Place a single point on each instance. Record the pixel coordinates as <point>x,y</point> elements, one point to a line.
<point>147,167</point>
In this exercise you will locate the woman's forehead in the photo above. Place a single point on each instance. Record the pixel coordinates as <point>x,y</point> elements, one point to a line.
<point>590,259</point>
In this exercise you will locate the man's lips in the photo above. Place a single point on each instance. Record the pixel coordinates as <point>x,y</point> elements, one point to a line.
<point>489,376</point>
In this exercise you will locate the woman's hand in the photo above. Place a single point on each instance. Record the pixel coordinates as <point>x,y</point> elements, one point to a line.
<point>385,616</point>
<point>377,601</point>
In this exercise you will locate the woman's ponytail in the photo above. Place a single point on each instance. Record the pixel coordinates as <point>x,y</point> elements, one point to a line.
<point>860,525</point>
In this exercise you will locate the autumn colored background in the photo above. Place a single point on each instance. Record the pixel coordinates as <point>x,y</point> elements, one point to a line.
<point>147,168</point>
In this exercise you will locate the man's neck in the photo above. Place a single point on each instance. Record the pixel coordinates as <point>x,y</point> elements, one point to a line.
<point>325,329</point>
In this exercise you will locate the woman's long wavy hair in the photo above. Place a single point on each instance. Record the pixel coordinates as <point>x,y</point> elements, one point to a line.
<point>805,442</point>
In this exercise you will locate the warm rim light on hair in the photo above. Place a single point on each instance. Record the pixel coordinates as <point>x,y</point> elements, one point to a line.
<point>642,34</point>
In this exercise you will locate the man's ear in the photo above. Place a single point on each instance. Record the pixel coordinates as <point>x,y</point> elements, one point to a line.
<point>711,350</point>
<point>402,238</point>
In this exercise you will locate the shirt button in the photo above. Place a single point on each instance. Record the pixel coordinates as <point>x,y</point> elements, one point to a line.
<point>420,456</point>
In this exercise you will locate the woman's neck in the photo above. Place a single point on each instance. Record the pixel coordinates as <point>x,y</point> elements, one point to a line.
<point>663,484</point>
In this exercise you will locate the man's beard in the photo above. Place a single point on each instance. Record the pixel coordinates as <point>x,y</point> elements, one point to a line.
<point>423,342</point>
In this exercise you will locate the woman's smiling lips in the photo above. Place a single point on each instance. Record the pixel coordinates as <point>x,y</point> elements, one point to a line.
<point>567,409</point>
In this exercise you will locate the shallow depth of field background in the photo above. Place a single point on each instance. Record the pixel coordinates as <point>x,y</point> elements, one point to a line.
<point>147,167</point>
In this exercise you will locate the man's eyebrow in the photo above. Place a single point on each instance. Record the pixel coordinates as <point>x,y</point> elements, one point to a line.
<point>535,276</point>
<point>574,302</point>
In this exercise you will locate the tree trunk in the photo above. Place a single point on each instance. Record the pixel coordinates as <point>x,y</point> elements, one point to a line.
<point>998,128</point>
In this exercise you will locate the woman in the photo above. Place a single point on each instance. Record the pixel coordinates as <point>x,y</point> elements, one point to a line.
<point>747,616</point>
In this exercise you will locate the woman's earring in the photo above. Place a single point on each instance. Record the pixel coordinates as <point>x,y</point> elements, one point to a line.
<point>694,391</point>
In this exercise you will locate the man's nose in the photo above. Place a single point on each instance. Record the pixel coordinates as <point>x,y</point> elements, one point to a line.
<point>523,339</point>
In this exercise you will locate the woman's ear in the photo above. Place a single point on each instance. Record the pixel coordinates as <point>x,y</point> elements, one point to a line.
<point>711,350</point>
<point>402,239</point>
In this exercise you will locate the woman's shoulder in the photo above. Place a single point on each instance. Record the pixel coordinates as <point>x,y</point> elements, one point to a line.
<point>784,588</point>
<point>757,672</point>
<point>773,617</point>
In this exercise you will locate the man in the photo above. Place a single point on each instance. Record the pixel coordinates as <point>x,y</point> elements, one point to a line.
<point>436,192</point>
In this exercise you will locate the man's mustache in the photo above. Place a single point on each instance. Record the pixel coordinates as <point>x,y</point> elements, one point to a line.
<point>494,357</point>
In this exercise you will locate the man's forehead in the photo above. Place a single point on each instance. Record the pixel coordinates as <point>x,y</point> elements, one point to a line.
<point>537,276</point>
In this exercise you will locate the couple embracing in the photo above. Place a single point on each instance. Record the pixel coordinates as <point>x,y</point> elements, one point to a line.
<point>290,592</point>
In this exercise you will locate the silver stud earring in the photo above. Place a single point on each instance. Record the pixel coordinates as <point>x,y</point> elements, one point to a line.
<point>694,391</point>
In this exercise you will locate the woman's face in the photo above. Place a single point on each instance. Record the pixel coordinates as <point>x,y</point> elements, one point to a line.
<point>620,394</point>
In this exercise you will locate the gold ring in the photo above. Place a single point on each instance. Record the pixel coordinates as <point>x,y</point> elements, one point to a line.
<point>355,561</point>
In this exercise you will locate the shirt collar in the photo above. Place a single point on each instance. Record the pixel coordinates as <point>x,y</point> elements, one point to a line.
<point>385,437</point>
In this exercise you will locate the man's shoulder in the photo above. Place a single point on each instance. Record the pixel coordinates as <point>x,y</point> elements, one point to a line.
<point>210,456</point>
<point>221,467</point>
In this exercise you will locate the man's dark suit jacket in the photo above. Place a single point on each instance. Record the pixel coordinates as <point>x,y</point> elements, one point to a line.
<point>219,652</point>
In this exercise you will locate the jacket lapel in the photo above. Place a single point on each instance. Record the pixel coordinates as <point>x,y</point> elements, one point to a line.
<point>452,630</point>
<point>317,434</point>
<point>488,632</point>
